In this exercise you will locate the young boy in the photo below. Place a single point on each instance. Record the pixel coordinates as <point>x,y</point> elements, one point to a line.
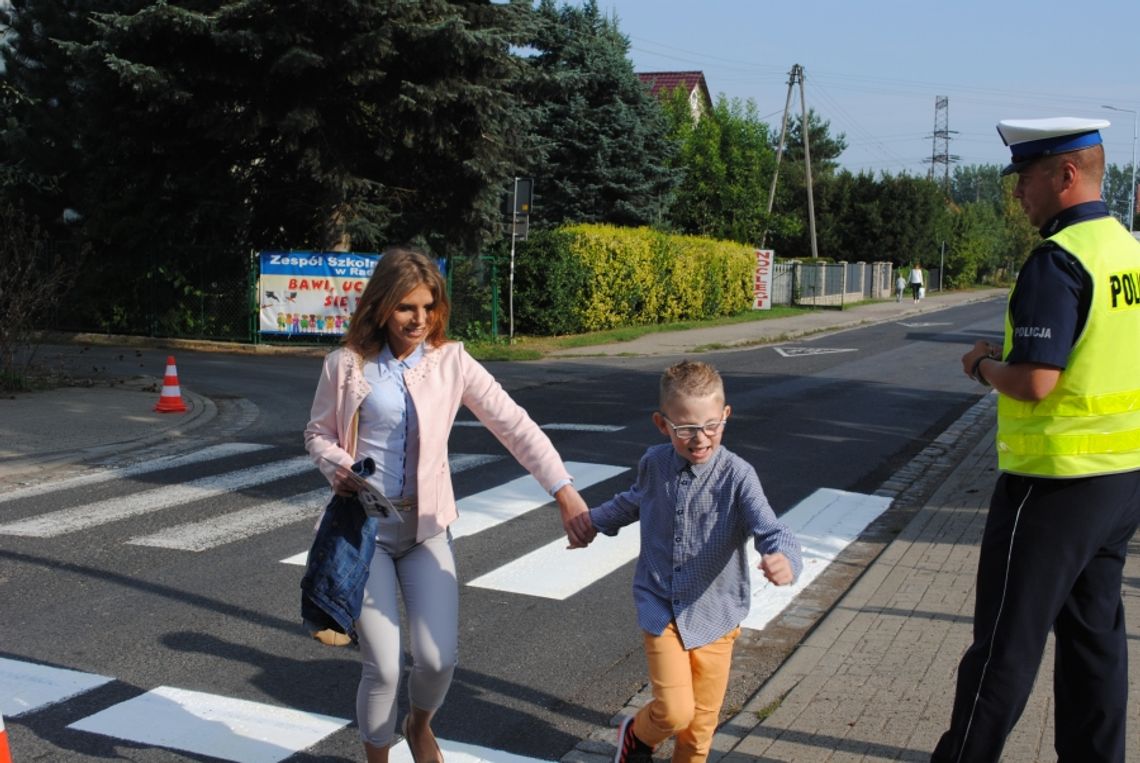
<point>698,505</point>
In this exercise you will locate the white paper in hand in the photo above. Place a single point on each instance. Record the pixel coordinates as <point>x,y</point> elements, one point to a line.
<point>371,497</point>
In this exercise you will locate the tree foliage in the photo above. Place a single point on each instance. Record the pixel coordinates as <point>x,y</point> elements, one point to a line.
<point>176,136</point>
<point>183,134</point>
<point>602,148</point>
<point>725,165</point>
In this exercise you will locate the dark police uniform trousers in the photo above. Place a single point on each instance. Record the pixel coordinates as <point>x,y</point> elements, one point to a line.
<point>1052,555</point>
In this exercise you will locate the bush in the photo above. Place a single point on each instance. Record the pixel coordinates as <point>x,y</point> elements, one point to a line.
<point>591,277</point>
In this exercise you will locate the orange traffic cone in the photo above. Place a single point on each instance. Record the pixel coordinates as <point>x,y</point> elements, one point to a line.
<point>5,753</point>
<point>171,399</point>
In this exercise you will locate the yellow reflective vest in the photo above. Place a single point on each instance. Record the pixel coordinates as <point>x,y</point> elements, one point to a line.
<point>1090,423</point>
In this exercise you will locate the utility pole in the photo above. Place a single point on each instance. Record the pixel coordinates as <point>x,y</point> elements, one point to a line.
<point>940,154</point>
<point>796,75</point>
<point>779,153</point>
<point>805,128</point>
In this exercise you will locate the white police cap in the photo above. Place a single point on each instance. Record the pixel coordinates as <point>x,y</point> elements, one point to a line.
<point>1030,139</point>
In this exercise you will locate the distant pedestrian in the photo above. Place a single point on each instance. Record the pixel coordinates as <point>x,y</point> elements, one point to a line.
<point>916,281</point>
<point>698,505</point>
<point>390,396</point>
<point>900,287</point>
<point>1067,501</point>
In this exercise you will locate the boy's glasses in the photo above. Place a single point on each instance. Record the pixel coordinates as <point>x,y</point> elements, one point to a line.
<point>689,431</point>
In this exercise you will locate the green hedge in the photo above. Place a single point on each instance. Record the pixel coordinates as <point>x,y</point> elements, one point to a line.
<point>589,277</point>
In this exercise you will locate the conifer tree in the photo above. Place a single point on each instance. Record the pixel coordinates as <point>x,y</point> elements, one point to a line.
<point>604,146</point>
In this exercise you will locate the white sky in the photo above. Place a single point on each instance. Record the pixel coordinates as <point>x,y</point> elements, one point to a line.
<point>873,68</point>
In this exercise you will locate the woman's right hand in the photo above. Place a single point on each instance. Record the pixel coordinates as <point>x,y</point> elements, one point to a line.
<point>343,484</point>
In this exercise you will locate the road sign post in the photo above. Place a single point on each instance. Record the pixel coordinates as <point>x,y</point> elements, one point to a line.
<point>520,222</point>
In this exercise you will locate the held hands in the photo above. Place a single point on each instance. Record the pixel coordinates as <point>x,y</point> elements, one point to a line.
<point>776,568</point>
<point>581,527</point>
<point>575,517</point>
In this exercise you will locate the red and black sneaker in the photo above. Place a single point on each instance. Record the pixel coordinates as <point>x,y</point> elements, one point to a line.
<point>630,749</point>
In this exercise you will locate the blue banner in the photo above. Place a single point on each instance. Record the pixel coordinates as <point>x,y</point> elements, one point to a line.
<point>313,293</point>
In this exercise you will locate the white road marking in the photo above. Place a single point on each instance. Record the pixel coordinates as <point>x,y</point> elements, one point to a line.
<point>826,522</point>
<point>924,325</point>
<point>457,462</point>
<point>64,521</point>
<point>554,572</point>
<point>459,752</point>
<point>106,475</point>
<point>799,352</point>
<point>26,686</point>
<point>461,462</point>
<point>209,724</point>
<point>559,427</point>
<point>488,508</point>
<point>229,528</point>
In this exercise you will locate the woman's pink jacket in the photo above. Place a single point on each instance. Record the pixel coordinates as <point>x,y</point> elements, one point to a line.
<point>444,379</point>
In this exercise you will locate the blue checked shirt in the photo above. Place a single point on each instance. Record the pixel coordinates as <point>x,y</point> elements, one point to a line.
<point>696,520</point>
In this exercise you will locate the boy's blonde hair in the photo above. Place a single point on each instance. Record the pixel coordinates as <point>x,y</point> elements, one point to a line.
<point>690,378</point>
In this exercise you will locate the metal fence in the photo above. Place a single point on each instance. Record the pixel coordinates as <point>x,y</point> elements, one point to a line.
<point>825,284</point>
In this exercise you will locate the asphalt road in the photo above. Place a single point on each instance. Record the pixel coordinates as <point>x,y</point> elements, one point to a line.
<point>844,411</point>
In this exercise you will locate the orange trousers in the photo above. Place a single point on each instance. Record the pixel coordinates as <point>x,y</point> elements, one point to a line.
<point>688,691</point>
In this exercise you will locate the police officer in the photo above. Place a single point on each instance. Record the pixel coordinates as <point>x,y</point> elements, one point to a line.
<point>1068,497</point>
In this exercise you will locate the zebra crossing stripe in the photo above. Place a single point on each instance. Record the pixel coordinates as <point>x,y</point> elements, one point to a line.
<point>553,572</point>
<point>158,464</point>
<point>457,462</point>
<point>26,686</point>
<point>196,722</point>
<point>488,508</point>
<point>826,522</point>
<point>235,526</point>
<point>557,426</point>
<point>64,521</point>
<point>458,752</point>
<point>211,725</point>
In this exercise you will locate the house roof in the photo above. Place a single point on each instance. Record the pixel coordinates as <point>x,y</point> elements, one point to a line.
<point>662,83</point>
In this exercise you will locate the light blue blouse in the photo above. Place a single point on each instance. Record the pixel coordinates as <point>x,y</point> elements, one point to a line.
<point>389,431</point>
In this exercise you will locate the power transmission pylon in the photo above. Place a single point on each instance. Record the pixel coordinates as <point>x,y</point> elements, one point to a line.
<point>796,75</point>
<point>941,154</point>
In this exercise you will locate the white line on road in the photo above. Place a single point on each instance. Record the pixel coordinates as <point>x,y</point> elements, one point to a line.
<point>210,453</point>
<point>209,724</point>
<point>826,522</point>
<point>799,352</point>
<point>559,427</point>
<point>27,686</point>
<point>238,525</point>
<point>488,508</point>
<point>553,572</point>
<point>484,510</point>
<point>457,462</point>
<point>64,521</point>
<point>459,752</point>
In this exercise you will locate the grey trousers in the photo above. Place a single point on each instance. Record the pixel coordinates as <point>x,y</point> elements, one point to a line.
<point>424,574</point>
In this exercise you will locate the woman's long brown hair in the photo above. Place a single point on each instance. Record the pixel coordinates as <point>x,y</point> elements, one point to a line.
<point>398,273</point>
